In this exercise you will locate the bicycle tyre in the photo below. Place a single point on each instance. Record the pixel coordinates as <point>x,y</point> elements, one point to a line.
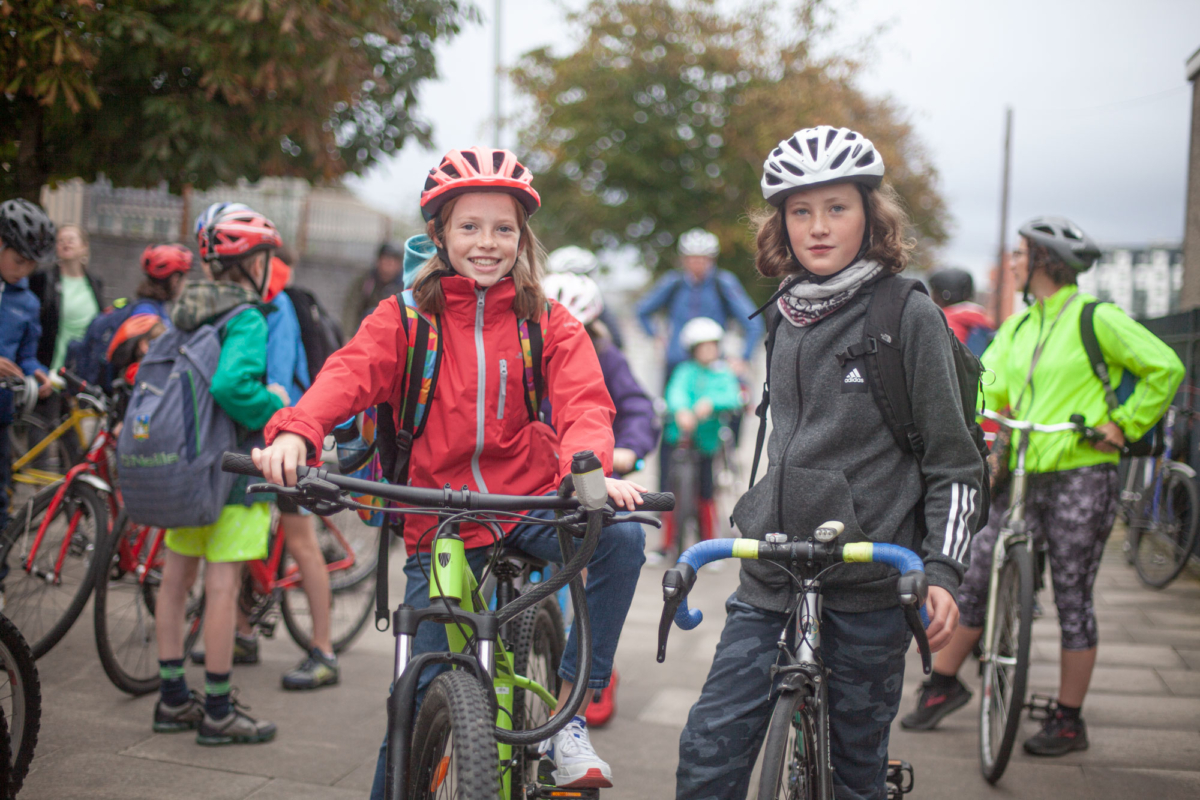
<point>129,660</point>
<point>1162,547</point>
<point>21,701</point>
<point>352,591</point>
<point>538,643</point>
<point>1002,696</point>
<point>452,740</point>
<point>791,756</point>
<point>43,610</point>
<point>5,758</point>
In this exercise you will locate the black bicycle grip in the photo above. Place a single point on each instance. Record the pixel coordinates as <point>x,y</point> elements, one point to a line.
<point>240,464</point>
<point>657,501</point>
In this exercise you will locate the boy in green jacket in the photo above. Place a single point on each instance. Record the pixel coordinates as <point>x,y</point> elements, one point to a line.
<point>237,243</point>
<point>700,390</point>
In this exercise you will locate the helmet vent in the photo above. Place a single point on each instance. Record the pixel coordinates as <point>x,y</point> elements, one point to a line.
<point>777,152</point>
<point>772,180</point>
<point>1071,233</point>
<point>829,137</point>
<point>1046,229</point>
<point>841,157</point>
<point>497,160</point>
<point>794,143</point>
<point>518,171</point>
<point>812,146</point>
<point>470,158</point>
<point>792,168</point>
<point>869,158</point>
<point>850,137</point>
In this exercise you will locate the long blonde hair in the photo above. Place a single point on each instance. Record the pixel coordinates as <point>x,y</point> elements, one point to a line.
<point>530,301</point>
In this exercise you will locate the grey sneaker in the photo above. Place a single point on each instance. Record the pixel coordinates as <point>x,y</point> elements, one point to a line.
<point>173,719</point>
<point>236,728</point>
<point>314,671</point>
<point>245,651</point>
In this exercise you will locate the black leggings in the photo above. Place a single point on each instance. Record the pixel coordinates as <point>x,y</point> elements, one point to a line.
<point>1073,513</point>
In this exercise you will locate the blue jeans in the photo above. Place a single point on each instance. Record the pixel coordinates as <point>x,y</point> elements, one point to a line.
<point>612,578</point>
<point>864,653</point>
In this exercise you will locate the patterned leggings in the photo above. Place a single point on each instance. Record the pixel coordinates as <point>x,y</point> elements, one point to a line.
<point>1073,512</point>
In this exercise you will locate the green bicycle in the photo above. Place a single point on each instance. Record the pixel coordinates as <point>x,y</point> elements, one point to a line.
<point>452,748</point>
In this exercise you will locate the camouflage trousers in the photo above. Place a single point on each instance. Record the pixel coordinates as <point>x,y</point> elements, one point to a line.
<point>864,653</point>
<point>1072,513</point>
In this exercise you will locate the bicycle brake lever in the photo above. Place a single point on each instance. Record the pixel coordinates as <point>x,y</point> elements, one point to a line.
<point>913,618</point>
<point>676,586</point>
<point>634,516</point>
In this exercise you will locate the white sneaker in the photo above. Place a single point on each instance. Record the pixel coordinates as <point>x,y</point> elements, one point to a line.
<point>576,764</point>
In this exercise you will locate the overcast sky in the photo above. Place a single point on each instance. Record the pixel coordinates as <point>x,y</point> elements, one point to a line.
<point>1101,106</point>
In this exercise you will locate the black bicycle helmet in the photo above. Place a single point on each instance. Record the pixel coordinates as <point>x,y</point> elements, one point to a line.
<point>952,285</point>
<point>1063,238</point>
<point>26,228</point>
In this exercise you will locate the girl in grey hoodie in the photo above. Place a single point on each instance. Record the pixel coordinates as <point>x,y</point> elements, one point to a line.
<point>834,233</point>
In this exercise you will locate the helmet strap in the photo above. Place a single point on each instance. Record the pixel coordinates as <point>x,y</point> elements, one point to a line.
<point>439,244</point>
<point>260,287</point>
<point>862,250</point>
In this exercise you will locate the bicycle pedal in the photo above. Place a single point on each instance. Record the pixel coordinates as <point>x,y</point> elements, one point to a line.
<point>1041,707</point>
<point>899,778</point>
<point>545,786</point>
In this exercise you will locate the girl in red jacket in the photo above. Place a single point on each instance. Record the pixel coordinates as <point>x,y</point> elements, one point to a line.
<point>485,277</point>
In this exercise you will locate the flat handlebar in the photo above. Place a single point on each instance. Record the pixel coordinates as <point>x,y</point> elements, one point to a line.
<point>1077,424</point>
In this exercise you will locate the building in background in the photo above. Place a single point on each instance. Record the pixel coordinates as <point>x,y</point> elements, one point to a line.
<point>1191,227</point>
<point>1146,282</point>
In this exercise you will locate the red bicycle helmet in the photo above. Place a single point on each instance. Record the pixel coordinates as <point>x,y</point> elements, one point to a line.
<point>237,233</point>
<point>475,170</point>
<point>122,350</point>
<point>161,261</point>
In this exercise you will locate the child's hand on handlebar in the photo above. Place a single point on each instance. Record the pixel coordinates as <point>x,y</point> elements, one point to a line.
<point>279,460</point>
<point>1114,438</point>
<point>943,617</point>
<point>9,369</point>
<point>45,387</point>
<point>626,495</point>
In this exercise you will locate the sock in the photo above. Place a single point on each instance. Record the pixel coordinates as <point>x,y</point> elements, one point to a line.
<point>939,681</point>
<point>216,691</point>
<point>173,689</point>
<point>1069,712</point>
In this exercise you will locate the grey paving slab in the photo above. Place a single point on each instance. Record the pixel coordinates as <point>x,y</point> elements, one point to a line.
<point>1176,637</point>
<point>1191,658</point>
<point>1117,654</point>
<point>1122,680</point>
<point>938,777</point>
<point>104,776</point>
<point>1162,713</point>
<point>1183,682</point>
<point>362,776</point>
<point>1126,747</point>
<point>1169,618</point>
<point>1115,784</point>
<point>281,789</point>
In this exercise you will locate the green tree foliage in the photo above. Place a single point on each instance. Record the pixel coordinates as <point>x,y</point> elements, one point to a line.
<point>207,91</point>
<point>660,122</point>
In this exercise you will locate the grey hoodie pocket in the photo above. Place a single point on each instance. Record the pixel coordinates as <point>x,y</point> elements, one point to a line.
<point>814,496</point>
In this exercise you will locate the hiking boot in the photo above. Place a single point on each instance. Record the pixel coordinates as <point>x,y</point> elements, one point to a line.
<point>935,704</point>
<point>185,717</point>
<point>245,651</point>
<point>1059,735</point>
<point>604,705</point>
<point>235,728</point>
<point>315,670</point>
<point>576,764</point>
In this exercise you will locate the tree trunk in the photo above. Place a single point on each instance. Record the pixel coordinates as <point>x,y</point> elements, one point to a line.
<point>33,168</point>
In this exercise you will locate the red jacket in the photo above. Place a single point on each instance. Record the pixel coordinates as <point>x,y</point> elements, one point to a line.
<point>965,317</point>
<point>469,440</point>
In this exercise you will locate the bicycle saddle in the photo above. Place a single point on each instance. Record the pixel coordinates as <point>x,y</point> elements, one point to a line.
<point>517,554</point>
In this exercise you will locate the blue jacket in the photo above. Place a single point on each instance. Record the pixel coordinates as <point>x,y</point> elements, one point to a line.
<point>719,296</point>
<point>287,363</point>
<point>20,328</point>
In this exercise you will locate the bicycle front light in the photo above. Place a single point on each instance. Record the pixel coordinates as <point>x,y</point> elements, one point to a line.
<point>829,531</point>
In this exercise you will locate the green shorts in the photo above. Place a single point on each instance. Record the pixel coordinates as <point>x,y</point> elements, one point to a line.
<point>240,534</point>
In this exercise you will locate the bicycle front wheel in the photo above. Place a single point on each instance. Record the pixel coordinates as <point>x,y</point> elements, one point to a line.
<point>1006,672</point>
<point>20,702</point>
<point>453,748</point>
<point>537,651</point>
<point>791,760</point>
<point>126,638</point>
<point>1166,527</point>
<point>343,538</point>
<point>49,581</point>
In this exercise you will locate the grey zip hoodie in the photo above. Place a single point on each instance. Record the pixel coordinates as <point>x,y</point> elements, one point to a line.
<point>832,457</point>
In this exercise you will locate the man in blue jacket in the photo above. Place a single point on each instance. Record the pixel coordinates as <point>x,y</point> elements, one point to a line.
<point>699,289</point>
<point>26,242</point>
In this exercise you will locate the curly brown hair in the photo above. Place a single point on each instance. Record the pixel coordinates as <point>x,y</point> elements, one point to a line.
<point>530,301</point>
<point>1045,259</point>
<point>887,223</point>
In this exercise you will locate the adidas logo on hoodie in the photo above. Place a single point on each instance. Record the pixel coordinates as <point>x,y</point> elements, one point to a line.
<point>854,381</point>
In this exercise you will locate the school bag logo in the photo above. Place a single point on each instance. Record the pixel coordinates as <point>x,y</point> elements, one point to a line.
<point>141,426</point>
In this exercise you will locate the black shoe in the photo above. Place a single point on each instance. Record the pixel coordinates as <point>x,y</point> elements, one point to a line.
<point>935,704</point>
<point>245,651</point>
<point>1059,735</point>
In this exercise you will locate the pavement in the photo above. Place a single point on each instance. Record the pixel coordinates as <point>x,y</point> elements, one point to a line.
<point>1143,712</point>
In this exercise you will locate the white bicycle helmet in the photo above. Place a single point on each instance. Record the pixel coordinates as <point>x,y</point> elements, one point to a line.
<point>578,293</point>
<point>817,156</point>
<point>1063,238</point>
<point>700,330</point>
<point>699,242</point>
<point>572,259</point>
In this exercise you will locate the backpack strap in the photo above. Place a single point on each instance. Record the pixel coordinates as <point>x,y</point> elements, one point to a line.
<point>774,317</point>
<point>885,370</point>
<point>532,349</point>
<point>1087,332</point>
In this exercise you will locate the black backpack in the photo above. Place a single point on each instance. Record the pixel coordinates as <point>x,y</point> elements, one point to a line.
<point>1153,443</point>
<point>320,333</point>
<point>882,353</point>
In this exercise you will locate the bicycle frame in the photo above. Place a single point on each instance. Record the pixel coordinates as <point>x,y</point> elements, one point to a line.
<point>806,673</point>
<point>23,473</point>
<point>1013,533</point>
